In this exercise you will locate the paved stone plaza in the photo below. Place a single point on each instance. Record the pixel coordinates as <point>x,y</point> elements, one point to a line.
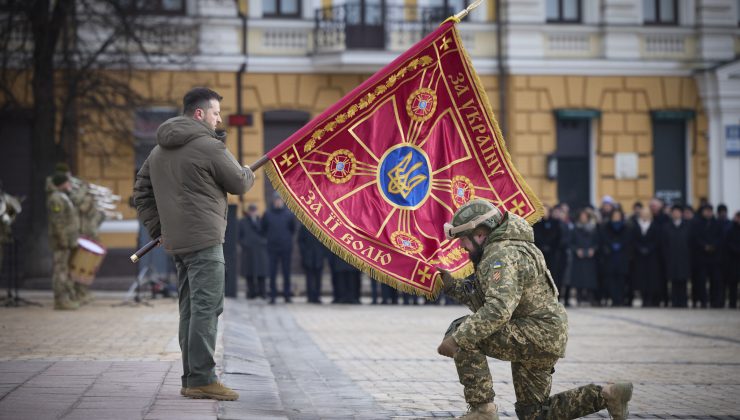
<point>305,361</point>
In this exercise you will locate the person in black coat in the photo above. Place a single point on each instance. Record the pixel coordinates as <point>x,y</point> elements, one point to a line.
<point>645,270</point>
<point>660,220</point>
<point>279,225</point>
<point>706,242</point>
<point>732,268</point>
<point>584,243</point>
<point>254,252</point>
<point>615,253</point>
<point>548,237</point>
<point>345,279</point>
<point>676,254</point>
<point>313,253</point>
<point>389,295</point>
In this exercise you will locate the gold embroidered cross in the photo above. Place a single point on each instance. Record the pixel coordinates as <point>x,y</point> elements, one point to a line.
<point>445,44</point>
<point>287,159</point>
<point>424,274</point>
<point>517,207</point>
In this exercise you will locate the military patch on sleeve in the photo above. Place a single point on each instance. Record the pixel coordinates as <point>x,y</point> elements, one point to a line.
<point>497,276</point>
<point>498,264</point>
<point>56,208</point>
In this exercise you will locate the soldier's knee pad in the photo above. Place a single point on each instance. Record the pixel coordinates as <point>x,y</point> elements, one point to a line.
<point>454,325</point>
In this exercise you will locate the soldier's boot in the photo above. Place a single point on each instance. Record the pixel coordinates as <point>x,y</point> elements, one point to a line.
<point>65,305</point>
<point>485,411</point>
<point>83,294</point>
<point>617,397</point>
<point>214,391</point>
<point>183,391</point>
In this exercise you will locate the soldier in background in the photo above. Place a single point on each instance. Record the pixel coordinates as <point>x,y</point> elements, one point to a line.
<point>64,229</point>
<point>517,318</point>
<point>7,215</point>
<point>90,220</point>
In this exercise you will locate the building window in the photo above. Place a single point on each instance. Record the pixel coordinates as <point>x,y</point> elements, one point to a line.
<point>442,9</point>
<point>281,8</point>
<point>660,12</point>
<point>564,11</point>
<point>154,7</point>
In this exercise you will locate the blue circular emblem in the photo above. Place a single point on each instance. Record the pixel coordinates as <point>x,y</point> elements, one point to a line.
<point>404,178</point>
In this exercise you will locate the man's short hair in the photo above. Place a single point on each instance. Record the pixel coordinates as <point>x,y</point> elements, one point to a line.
<point>59,178</point>
<point>199,97</point>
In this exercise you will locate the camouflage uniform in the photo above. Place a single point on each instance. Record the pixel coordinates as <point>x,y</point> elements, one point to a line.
<point>64,227</point>
<point>516,318</point>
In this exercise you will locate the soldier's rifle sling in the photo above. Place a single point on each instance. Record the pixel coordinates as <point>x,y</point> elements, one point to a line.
<point>154,242</point>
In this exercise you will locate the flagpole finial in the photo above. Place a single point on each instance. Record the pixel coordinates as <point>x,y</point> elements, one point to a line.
<point>461,14</point>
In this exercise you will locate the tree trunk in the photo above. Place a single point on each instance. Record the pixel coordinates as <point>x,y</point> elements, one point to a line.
<point>43,148</point>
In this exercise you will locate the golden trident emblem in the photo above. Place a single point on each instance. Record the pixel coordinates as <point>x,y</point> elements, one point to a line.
<point>399,177</point>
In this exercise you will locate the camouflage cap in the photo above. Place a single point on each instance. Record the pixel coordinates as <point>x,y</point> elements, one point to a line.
<point>471,215</point>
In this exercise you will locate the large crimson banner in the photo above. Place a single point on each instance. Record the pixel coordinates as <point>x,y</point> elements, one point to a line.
<point>377,175</point>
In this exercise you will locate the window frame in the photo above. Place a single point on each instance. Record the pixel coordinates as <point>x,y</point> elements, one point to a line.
<point>561,18</point>
<point>279,15</point>
<point>132,9</point>
<point>658,21</point>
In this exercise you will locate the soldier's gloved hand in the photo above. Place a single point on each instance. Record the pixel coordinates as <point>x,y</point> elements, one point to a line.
<point>447,279</point>
<point>448,347</point>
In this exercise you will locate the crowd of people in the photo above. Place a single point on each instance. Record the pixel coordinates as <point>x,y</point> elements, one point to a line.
<point>663,255</point>
<point>660,255</point>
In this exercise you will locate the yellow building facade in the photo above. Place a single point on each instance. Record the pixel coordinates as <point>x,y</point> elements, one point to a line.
<point>621,81</point>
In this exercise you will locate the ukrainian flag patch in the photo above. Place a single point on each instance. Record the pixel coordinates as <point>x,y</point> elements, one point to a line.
<point>497,264</point>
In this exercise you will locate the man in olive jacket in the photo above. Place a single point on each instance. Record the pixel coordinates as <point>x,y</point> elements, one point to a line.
<point>180,193</point>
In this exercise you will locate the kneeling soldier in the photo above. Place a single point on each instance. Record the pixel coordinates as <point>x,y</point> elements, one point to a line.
<point>517,318</point>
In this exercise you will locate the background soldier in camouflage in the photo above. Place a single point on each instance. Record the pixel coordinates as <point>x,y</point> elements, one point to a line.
<point>64,228</point>
<point>517,318</point>
<point>90,218</point>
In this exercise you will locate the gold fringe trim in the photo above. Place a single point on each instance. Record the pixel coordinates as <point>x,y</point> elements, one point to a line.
<point>539,210</point>
<point>348,256</point>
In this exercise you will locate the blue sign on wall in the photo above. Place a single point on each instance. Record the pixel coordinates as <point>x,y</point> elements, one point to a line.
<point>732,140</point>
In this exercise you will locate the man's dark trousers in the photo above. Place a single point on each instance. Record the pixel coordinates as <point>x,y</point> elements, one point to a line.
<point>200,282</point>
<point>283,257</point>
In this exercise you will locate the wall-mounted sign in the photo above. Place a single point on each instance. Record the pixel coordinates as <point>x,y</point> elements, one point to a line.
<point>625,166</point>
<point>732,140</point>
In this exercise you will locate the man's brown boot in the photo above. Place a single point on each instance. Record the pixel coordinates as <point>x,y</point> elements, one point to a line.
<point>214,391</point>
<point>486,411</point>
<point>617,397</point>
<point>182,391</point>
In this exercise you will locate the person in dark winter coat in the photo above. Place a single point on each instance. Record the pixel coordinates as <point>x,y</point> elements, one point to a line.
<point>279,225</point>
<point>615,253</point>
<point>660,220</point>
<point>389,295</point>
<point>732,268</point>
<point>313,253</point>
<point>345,279</point>
<point>584,243</point>
<point>676,253</point>
<point>548,237</point>
<point>645,267</point>
<point>254,253</point>
<point>706,242</point>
